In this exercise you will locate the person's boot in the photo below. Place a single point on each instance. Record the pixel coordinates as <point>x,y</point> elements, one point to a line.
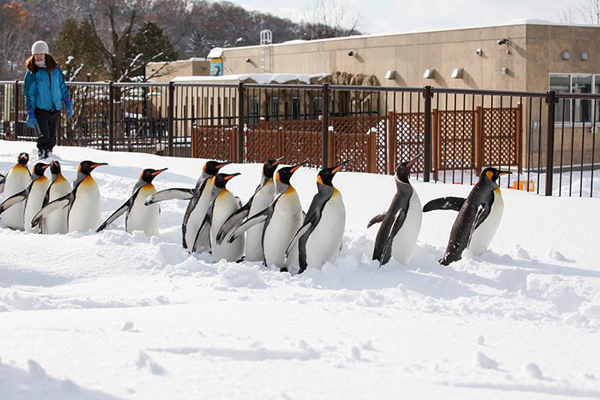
<point>41,154</point>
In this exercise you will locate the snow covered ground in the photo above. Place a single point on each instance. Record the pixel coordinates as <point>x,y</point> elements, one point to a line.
<point>119,316</point>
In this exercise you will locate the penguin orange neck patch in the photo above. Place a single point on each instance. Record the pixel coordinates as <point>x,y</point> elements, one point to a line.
<point>490,175</point>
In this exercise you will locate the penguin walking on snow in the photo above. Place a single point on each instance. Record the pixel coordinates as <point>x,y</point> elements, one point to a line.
<point>139,217</point>
<point>319,239</point>
<point>17,180</point>
<point>282,219</point>
<point>32,196</point>
<point>224,205</point>
<point>262,197</point>
<point>479,216</point>
<point>401,224</point>
<point>2,182</point>
<point>82,203</point>
<point>197,209</point>
<point>57,221</point>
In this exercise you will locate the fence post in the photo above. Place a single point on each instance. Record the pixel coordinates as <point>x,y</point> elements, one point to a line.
<point>170,118</point>
<point>111,116</point>
<point>551,100</point>
<point>325,125</point>
<point>240,150</point>
<point>16,116</point>
<point>428,94</point>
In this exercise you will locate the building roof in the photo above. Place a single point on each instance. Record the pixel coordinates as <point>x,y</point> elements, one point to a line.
<point>258,78</point>
<point>218,51</point>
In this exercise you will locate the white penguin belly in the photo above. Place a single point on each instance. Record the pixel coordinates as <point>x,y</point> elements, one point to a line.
<point>285,222</point>
<point>195,220</point>
<point>141,217</point>
<point>225,205</point>
<point>405,240</point>
<point>35,201</point>
<point>326,239</point>
<point>483,235</point>
<point>85,211</point>
<point>57,221</point>
<point>262,200</point>
<point>17,180</point>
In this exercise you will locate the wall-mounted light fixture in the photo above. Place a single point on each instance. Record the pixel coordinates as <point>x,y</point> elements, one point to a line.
<point>565,55</point>
<point>429,73</point>
<point>505,70</point>
<point>352,53</point>
<point>248,60</point>
<point>584,56</point>
<point>391,74</point>
<point>479,52</point>
<point>457,73</point>
<point>503,41</point>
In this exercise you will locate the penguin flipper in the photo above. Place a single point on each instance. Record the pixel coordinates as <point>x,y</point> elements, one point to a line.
<point>202,233</point>
<point>51,207</point>
<point>14,199</point>
<point>120,211</point>
<point>301,232</point>
<point>387,249</point>
<point>445,203</point>
<point>376,219</point>
<point>249,223</point>
<point>170,194</point>
<point>2,182</point>
<point>233,222</point>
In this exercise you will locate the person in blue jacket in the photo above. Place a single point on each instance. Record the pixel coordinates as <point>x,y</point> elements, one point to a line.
<point>45,92</point>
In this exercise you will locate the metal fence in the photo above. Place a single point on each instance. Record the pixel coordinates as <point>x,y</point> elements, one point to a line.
<point>547,139</point>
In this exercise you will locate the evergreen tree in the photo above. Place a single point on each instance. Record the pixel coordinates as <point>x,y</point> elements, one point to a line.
<point>75,51</point>
<point>149,44</point>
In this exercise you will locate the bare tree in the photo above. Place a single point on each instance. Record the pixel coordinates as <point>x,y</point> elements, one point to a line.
<point>586,13</point>
<point>330,18</point>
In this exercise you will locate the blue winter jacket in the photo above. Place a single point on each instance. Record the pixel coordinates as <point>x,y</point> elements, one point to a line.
<point>45,90</point>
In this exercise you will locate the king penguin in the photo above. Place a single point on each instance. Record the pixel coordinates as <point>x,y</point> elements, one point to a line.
<point>32,196</point>
<point>82,203</point>
<point>139,217</point>
<point>282,219</point>
<point>479,216</point>
<point>197,208</point>
<point>17,180</point>
<point>401,224</point>
<point>224,205</point>
<point>59,187</point>
<point>320,237</point>
<point>262,197</point>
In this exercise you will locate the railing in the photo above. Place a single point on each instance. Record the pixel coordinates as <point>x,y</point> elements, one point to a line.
<point>459,131</point>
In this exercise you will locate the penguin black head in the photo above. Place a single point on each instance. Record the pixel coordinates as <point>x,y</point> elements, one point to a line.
<point>270,166</point>
<point>222,179</point>
<point>212,167</point>
<point>326,175</point>
<point>493,174</point>
<point>23,158</point>
<point>55,167</point>
<point>284,174</point>
<point>40,168</point>
<point>86,167</point>
<point>403,170</point>
<point>149,174</point>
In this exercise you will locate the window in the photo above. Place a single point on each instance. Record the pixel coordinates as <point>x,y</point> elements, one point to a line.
<point>573,110</point>
<point>274,108</point>
<point>253,111</point>
<point>296,108</point>
<point>318,105</point>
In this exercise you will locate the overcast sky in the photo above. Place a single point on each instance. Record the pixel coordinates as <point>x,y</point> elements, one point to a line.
<point>381,16</point>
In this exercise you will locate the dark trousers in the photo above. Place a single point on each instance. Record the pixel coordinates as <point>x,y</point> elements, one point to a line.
<point>48,122</point>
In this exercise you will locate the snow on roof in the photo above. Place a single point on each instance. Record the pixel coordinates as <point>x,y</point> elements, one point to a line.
<point>258,78</point>
<point>215,53</point>
<point>530,21</point>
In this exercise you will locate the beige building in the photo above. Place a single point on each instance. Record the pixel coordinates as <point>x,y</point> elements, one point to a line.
<point>165,71</point>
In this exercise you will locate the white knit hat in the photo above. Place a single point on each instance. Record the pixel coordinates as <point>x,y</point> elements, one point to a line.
<point>40,47</point>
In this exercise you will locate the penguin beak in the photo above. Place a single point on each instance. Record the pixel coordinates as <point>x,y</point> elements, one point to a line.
<point>159,171</point>
<point>297,166</point>
<point>501,173</point>
<point>339,167</point>
<point>219,166</point>
<point>231,176</point>
<point>279,160</point>
<point>45,166</point>
<point>413,161</point>
<point>96,165</point>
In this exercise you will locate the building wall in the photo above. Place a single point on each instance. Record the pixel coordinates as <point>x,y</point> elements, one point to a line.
<point>166,71</point>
